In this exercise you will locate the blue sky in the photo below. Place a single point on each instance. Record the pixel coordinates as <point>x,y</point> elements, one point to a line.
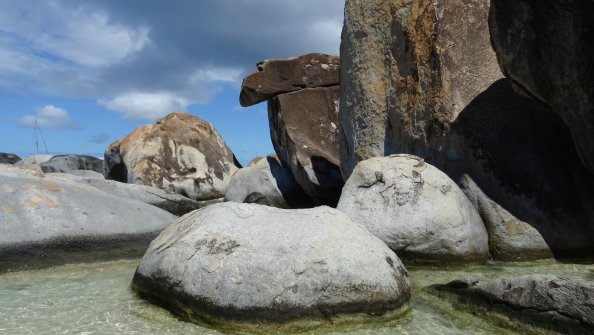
<point>90,71</point>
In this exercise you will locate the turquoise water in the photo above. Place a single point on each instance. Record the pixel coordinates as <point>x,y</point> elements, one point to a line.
<point>96,299</point>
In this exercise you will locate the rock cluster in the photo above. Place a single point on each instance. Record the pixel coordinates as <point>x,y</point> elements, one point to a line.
<point>303,95</point>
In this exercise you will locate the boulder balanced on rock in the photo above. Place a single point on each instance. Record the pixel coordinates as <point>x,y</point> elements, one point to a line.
<point>416,210</point>
<point>303,95</point>
<point>181,153</point>
<point>255,264</point>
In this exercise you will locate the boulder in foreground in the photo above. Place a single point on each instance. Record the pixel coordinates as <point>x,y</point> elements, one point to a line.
<point>534,303</point>
<point>259,265</point>
<point>417,210</point>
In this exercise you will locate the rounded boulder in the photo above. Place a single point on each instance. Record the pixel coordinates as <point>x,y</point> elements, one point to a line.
<point>260,265</point>
<point>416,209</point>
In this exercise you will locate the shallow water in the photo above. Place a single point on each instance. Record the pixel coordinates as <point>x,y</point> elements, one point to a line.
<point>96,299</point>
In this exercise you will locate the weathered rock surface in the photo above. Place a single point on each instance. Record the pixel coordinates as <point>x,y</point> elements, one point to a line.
<point>268,183</point>
<point>8,158</point>
<point>305,135</point>
<point>181,154</point>
<point>546,48</point>
<point>41,215</point>
<point>261,264</point>
<point>553,303</point>
<point>422,79</point>
<point>32,162</point>
<point>417,210</point>
<point>277,76</point>
<point>173,203</point>
<point>69,163</point>
<point>408,68</point>
<point>509,238</point>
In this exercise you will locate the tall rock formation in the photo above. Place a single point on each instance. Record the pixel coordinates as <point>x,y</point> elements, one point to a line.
<point>420,77</point>
<point>303,96</point>
<point>408,68</point>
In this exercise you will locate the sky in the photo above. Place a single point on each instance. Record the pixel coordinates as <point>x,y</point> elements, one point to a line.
<point>90,71</point>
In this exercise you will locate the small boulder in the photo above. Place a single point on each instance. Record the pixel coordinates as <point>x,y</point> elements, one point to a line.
<point>304,128</point>
<point>417,210</point>
<point>510,239</point>
<point>181,154</point>
<point>268,183</point>
<point>7,158</point>
<point>260,265</point>
<point>547,302</point>
<point>277,76</point>
<point>33,162</point>
<point>69,163</point>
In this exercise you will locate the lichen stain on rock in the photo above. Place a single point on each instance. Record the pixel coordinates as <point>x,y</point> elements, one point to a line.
<point>401,188</point>
<point>38,198</point>
<point>8,210</point>
<point>51,186</point>
<point>214,247</point>
<point>7,188</point>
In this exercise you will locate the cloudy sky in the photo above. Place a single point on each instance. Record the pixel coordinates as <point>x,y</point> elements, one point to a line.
<point>90,71</point>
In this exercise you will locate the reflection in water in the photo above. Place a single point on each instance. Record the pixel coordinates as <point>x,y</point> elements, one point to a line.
<point>96,299</point>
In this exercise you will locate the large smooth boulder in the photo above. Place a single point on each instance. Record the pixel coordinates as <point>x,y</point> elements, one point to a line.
<point>181,154</point>
<point>545,47</point>
<point>268,183</point>
<point>69,163</point>
<point>304,128</point>
<point>277,76</point>
<point>173,203</point>
<point>535,303</point>
<point>8,158</point>
<point>417,210</point>
<point>41,215</point>
<point>259,265</point>
<point>408,68</point>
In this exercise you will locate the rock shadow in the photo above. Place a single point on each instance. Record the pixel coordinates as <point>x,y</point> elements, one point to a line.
<point>521,155</point>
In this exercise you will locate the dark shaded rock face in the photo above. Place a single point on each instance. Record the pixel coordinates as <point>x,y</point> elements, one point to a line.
<point>546,302</point>
<point>69,163</point>
<point>6,158</point>
<point>545,46</point>
<point>519,153</point>
<point>277,76</point>
<point>181,153</point>
<point>266,182</point>
<point>421,78</point>
<point>262,265</point>
<point>305,135</point>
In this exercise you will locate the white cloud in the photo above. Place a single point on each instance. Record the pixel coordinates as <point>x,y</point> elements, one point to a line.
<point>49,117</point>
<point>146,106</point>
